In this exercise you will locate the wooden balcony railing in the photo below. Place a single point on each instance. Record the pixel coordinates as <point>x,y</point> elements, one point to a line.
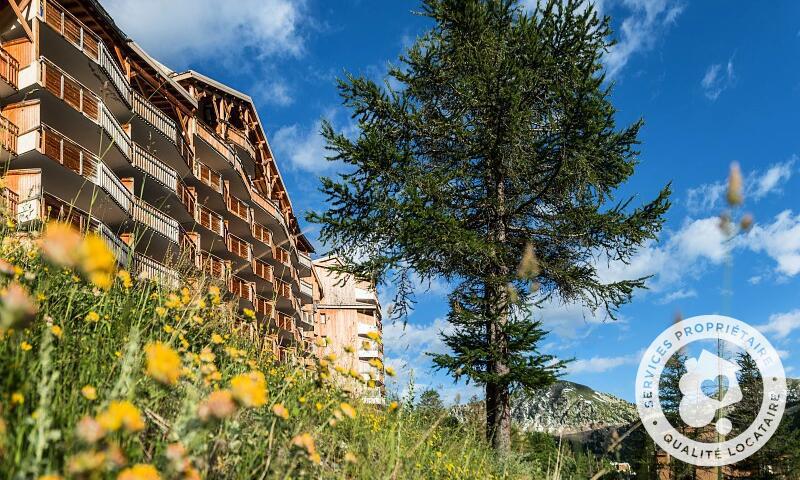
<point>85,40</point>
<point>149,268</point>
<point>237,207</point>
<point>214,267</point>
<point>282,255</point>
<point>263,270</point>
<point>185,150</point>
<point>9,68</point>
<point>285,322</point>
<point>115,131</point>
<point>120,248</point>
<point>306,288</point>
<point>189,249</point>
<point>283,289</point>
<point>148,163</point>
<point>8,134</point>
<point>264,307</point>
<point>304,259</point>
<point>211,138</point>
<point>74,93</point>
<point>210,219</point>
<point>154,116</point>
<point>209,177</point>
<point>9,200</point>
<point>241,288</point>
<point>149,215</point>
<point>262,234</point>
<point>188,198</point>
<point>240,247</point>
<point>239,138</point>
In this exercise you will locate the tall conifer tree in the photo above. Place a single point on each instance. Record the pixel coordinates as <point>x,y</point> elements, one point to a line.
<point>494,139</point>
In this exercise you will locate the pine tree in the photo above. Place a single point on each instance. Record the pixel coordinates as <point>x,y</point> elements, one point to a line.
<point>499,143</point>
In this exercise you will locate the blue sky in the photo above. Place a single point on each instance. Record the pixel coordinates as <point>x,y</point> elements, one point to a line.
<point>714,84</point>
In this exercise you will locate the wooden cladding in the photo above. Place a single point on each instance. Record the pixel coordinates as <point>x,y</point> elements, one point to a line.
<point>237,207</point>
<point>210,137</point>
<point>285,322</point>
<point>74,93</point>
<point>211,220</point>
<point>262,270</point>
<point>209,177</point>
<point>282,255</point>
<point>187,197</point>
<point>9,68</point>
<point>72,29</point>
<point>239,247</point>
<point>262,234</point>
<point>66,152</point>
<point>8,134</point>
<point>283,289</point>
<point>9,200</point>
<point>241,288</point>
<point>214,267</point>
<point>264,306</point>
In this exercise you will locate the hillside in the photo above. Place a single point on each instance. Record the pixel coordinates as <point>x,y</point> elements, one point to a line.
<point>568,408</point>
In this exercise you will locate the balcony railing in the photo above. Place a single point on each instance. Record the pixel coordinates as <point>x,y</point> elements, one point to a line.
<point>9,68</point>
<point>239,138</point>
<point>210,220</point>
<point>209,177</point>
<point>154,116</point>
<point>8,135</point>
<point>115,131</point>
<point>149,268</point>
<point>283,289</point>
<point>188,198</point>
<point>262,234</point>
<point>285,322</point>
<point>364,329</point>
<point>120,248</point>
<point>148,215</point>
<point>72,29</point>
<point>211,138</point>
<point>282,255</point>
<point>241,288</point>
<point>9,200</point>
<point>185,150</point>
<point>264,306</point>
<point>109,182</point>
<point>240,247</point>
<point>305,260</point>
<point>189,249</point>
<point>306,288</point>
<point>237,207</point>
<point>154,167</point>
<point>262,270</point>
<point>214,267</point>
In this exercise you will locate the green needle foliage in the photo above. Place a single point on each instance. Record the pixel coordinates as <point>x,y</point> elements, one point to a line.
<point>493,167</point>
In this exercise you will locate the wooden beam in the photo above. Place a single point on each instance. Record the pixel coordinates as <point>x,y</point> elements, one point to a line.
<point>21,18</point>
<point>159,87</point>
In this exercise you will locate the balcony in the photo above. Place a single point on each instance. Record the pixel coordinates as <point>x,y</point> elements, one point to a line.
<point>262,234</point>
<point>9,71</point>
<point>238,138</point>
<point>263,270</point>
<point>242,288</point>
<point>150,269</point>
<point>210,220</point>
<point>240,247</point>
<point>9,201</point>
<point>155,168</point>
<point>282,256</point>
<point>121,249</point>
<point>209,177</point>
<point>153,218</point>
<point>285,322</point>
<point>8,135</point>
<point>86,41</point>
<point>214,141</point>
<point>305,261</point>
<point>283,289</point>
<point>307,290</point>
<point>215,267</point>
<point>237,207</point>
<point>364,295</point>
<point>154,116</point>
<point>264,307</point>
<point>370,354</point>
<point>364,329</point>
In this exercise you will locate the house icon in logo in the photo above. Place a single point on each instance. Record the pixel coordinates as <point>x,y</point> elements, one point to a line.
<point>698,408</point>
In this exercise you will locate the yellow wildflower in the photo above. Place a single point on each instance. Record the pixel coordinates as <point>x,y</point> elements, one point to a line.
<point>249,313</point>
<point>198,319</point>
<point>88,461</point>
<point>217,339</point>
<point>173,301</point>
<point>121,413</point>
<point>168,329</point>
<point>349,349</point>
<point>51,477</point>
<point>350,457</point>
<point>17,308</point>
<point>207,356</point>
<point>25,346</point>
<point>89,430</point>
<point>92,317</point>
<point>250,389</point>
<point>392,407</point>
<point>118,354</point>
<point>57,331</point>
<point>161,311</point>
<point>390,371</point>
<point>163,363</point>
<point>60,244</point>
<point>280,411</point>
<point>140,471</point>
<point>125,277</point>
<point>98,261</point>
<point>17,398</point>
<point>376,363</point>
<point>374,336</point>
<point>348,409</point>
<point>306,442</point>
<point>89,392</point>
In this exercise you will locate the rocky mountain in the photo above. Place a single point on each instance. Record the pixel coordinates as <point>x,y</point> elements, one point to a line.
<point>569,408</point>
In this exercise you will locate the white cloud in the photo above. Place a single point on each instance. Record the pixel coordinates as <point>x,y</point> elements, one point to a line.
<point>180,32</point>
<point>717,79</point>
<point>782,324</point>
<point>415,339</point>
<point>600,364</point>
<point>640,30</point>
<point>780,240</point>
<point>304,147</point>
<point>772,180</point>
<point>757,185</point>
<point>677,295</point>
<point>272,92</point>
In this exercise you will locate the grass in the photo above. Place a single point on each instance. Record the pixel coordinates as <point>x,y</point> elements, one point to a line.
<point>85,347</point>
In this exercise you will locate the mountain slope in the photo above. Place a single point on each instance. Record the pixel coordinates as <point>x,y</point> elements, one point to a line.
<point>567,407</point>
